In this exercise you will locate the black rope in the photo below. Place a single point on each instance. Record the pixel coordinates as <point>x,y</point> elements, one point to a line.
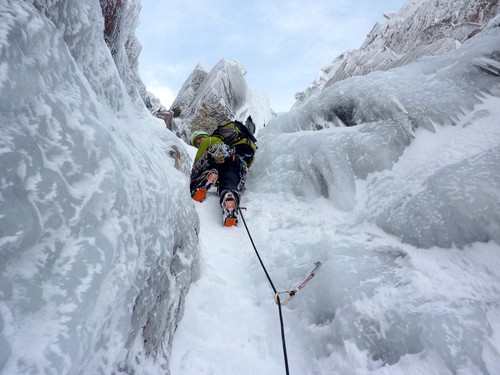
<point>275,292</point>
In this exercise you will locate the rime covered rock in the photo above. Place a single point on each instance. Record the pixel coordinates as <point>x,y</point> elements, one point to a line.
<point>418,29</point>
<point>98,233</point>
<point>121,18</point>
<point>189,90</point>
<point>208,98</point>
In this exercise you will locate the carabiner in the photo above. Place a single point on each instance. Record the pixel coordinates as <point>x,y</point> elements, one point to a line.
<point>291,294</point>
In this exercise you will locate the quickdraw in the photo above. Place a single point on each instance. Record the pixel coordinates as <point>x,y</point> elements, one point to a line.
<point>292,292</point>
<point>277,297</point>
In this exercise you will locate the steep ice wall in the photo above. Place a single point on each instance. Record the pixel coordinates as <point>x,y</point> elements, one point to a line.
<point>419,28</point>
<point>98,240</point>
<point>360,127</point>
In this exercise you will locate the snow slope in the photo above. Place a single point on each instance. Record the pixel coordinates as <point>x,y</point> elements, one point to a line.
<point>226,321</point>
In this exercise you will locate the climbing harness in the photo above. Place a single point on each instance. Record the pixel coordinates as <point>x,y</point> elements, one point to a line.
<point>292,292</point>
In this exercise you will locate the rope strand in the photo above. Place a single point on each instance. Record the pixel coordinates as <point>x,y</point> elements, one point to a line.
<point>283,341</point>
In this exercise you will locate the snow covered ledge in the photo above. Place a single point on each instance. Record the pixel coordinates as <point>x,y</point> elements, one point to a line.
<point>98,241</point>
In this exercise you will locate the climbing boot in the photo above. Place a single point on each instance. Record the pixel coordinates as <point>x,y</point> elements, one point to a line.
<point>229,218</point>
<point>208,179</point>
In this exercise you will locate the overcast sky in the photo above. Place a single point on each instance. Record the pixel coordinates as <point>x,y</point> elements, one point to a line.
<point>282,44</point>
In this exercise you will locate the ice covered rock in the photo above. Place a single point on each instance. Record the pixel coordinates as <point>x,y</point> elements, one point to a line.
<point>458,205</point>
<point>98,241</point>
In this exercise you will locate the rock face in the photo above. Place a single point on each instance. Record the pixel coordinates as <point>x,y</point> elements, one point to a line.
<point>209,97</point>
<point>420,28</point>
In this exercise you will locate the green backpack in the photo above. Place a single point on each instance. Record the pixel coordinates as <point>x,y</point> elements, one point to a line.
<point>237,136</point>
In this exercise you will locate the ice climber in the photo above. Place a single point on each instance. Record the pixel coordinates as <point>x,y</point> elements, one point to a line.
<point>222,161</point>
